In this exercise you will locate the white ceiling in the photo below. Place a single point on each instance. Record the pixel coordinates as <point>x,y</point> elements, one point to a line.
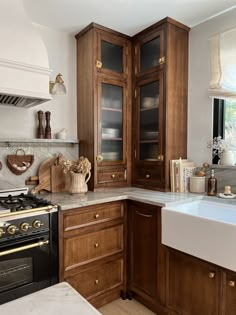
<point>126,16</point>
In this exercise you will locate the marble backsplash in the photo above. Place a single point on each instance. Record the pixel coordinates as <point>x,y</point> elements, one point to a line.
<point>226,176</point>
<point>41,152</point>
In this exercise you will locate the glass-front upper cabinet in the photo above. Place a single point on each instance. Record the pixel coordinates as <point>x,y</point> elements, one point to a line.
<point>111,122</point>
<point>112,55</point>
<point>149,53</point>
<point>149,146</point>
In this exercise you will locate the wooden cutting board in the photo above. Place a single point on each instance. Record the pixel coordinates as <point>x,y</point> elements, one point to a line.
<point>58,182</point>
<point>44,175</point>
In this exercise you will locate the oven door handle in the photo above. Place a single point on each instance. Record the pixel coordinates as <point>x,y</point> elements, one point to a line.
<point>22,248</point>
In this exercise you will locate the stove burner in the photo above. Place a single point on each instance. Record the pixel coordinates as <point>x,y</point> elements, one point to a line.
<point>21,202</point>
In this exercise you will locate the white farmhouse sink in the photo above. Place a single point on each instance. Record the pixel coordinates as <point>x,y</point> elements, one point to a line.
<point>202,228</point>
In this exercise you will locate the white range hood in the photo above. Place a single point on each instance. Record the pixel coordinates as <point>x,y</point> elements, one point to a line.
<point>24,67</point>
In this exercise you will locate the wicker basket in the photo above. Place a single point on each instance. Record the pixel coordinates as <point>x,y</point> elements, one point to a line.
<point>19,163</point>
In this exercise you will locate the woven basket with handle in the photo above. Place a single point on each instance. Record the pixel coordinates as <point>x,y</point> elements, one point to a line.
<point>19,163</point>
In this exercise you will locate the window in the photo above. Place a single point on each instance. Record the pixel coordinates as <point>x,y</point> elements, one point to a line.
<point>224,121</point>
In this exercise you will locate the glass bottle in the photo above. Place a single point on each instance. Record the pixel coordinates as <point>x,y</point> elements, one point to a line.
<point>212,185</point>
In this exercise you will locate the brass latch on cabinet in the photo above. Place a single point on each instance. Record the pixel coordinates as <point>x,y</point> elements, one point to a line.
<point>99,158</point>
<point>98,64</point>
<point>162,60</point>
<point>160,157</point>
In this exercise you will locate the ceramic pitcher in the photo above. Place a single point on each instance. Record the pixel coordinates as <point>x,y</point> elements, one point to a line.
<point>78,184</point>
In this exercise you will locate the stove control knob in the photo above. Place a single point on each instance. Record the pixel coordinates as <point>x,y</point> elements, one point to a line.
<point>24,226</point>
<point>37,224</point>
<point>1,232</point>
<point>11,229</point>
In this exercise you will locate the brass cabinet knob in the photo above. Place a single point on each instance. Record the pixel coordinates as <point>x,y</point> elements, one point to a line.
<point>231,283</point>
<point>160,157</point>
<point>113,176</point>
<point>1,232</point>
<point>162,60</point>
<point>11,229</point>
<point>211,275</point>
<point>99,158</point>
<point>96,281</point>
<point>96,245</point>
<point>148,175</point>
<point>98,64</point>
<point>96,216</point>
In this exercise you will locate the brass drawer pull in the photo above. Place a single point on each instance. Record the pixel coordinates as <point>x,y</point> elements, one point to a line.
<point>211,275</point>
<point>96,245</point>
<point>231,283</point>
<point>144,215</point>
<point>96,281</point>
<point>148,176</point>
<point>113,176</point>
<point>96,216</point>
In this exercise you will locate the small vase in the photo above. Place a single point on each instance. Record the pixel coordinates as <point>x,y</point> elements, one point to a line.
<point>227,158</point>
<point>78,183</point>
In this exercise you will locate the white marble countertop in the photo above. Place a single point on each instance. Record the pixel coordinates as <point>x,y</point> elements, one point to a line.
<point>59,299</point>
<point>68,201</point>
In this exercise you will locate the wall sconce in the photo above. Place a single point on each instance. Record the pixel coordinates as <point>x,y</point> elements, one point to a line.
<point>57,87</point>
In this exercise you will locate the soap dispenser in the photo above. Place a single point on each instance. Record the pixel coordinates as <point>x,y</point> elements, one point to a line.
<point>212,185</point>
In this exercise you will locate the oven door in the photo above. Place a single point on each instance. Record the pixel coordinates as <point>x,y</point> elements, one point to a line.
<point>25,267</point>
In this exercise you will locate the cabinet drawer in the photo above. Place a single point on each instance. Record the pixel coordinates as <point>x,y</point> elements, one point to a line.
<point>147,175</point>
<point>86,248</point>
<point>98,279</point>
<point>94,215</point>
<point>111,176</point>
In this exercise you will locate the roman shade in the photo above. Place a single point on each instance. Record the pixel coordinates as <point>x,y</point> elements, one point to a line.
<point>223,65</point>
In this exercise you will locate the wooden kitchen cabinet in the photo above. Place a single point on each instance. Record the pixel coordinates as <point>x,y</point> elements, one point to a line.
<point>193,286</point>
<point>146,256</point>
<point>93,251</point>
<point>229,293</point>
<point>160,78</point>
<point>104,104</point>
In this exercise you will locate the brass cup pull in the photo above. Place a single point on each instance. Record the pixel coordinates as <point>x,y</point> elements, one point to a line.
<point>96,216</point>
<point>113,176</point>
<point>211,275</point>
<point>231,283</point>
<point>99,158</point>
<point>96,281</point>
<point>96,245</point>
<point>98,64</point>
<point>148,175</point>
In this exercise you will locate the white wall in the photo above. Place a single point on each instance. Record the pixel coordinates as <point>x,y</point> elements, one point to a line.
<point>199,103</point>
<point>22,123</point>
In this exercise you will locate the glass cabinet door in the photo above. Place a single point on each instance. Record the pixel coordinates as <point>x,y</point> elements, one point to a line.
<point>112,125</point>
<point>150,53</point>
<point>150,121</point>
<point>111,56</point>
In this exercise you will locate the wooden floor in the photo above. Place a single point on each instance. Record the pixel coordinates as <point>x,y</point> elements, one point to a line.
<point>125,307</point>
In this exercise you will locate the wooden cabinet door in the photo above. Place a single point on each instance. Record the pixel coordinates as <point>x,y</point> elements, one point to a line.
<point>142,226</point>
<point>112,122</point>
<point>149,52</point>
<point>193,286</point>
<point>229,296</point>
<point>112,55</point>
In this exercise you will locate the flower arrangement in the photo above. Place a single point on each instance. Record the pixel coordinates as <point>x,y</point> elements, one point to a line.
<point>219,145</point>
<point>82,165</point>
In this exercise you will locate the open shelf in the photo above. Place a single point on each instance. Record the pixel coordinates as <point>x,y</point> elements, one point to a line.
<point>11,141</point>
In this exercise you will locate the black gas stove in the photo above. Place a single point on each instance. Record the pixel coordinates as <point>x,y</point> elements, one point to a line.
<point>28,244</point>
<point>21,202</point>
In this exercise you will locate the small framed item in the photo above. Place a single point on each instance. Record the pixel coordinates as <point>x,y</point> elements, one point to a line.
<point>19,163</point>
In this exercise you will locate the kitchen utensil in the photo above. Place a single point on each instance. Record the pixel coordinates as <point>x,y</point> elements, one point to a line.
<point>57,179</point>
